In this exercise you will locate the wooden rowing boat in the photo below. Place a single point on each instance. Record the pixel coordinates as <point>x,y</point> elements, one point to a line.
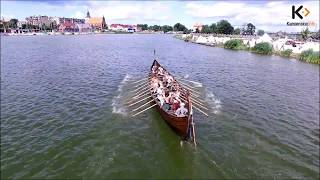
<point>181,125</point>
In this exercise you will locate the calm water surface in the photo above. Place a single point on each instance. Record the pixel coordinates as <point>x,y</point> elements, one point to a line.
<point>61,116</point>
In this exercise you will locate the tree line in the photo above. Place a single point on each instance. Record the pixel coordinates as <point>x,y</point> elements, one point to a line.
<point>224,27</point>
<point>13,23</point>
<point>164,28</point>
<point>221,27</point>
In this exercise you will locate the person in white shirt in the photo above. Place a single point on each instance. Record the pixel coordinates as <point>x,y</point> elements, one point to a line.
<point>159,91</point>
<point>160,71</point>
<point>161,100</point>
<point>181,111</point>
<point>154,68</point>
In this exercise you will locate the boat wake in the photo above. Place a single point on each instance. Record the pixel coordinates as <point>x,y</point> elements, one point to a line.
<point>213,101</point>
<point>118,101</point>
<point>208,96</point>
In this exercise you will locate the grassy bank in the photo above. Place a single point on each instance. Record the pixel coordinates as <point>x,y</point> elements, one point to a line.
<point>308,56</point>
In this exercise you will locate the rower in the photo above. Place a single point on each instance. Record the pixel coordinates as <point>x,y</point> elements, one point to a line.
<point>175,104</point>
<point>161,100</point>
<point>154,68</point>
<point>182,111</point>
<point>159,90</point>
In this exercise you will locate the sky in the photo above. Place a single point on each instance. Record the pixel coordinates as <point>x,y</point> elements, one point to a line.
<point>270,16</point>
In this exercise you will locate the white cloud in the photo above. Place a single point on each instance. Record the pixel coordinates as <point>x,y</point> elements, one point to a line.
<point>271,15</point>
<point>146,12</point>
<point>79,14</point>
<point>6,16</point>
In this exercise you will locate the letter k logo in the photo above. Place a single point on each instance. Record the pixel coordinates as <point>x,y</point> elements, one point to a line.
<point>296,12</point>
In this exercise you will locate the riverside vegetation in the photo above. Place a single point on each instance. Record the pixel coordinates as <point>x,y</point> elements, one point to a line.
<point>308,56</point>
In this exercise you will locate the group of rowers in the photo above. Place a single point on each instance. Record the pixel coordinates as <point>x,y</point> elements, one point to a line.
<point>167,92</point>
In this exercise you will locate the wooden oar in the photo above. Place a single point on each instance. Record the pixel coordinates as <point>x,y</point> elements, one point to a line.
<point>143,93</point>
<point>182,78</point>
<point>192,123</point>
<point>195,82</point>
<point>142,105</point>
<point>200,111</point>
<point>193,99</point>
<point>197,94</point>
<point>140,86</point>
<point>194,133</point>
<point>136,90</point>
<point>144,110</point>
<point>141,90</point>
<point>200,105</point>
<point>192,90</point>
<point>198,98</point>
<point>139,101</point>
<point>188,85</point>
<point>145,78</point>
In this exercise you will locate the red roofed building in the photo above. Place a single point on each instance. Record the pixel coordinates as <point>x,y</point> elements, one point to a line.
<point>68,27</point>
<point>123,27</point>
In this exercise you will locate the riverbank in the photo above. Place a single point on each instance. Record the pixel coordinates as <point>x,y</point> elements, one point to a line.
<point>74,33</point>
<point>304,51</point>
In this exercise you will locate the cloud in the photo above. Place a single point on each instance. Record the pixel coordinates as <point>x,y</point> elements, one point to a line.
<point>271,14</point>
<point>137,12</point>
<point>7,17</point>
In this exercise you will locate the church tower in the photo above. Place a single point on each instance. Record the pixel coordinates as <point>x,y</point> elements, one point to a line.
<point>87,19</point>
<point>88,14</point>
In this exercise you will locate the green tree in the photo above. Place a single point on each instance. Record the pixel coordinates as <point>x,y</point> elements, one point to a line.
<point>224,27</point>
<point>166,28</point>
<point>187,31</point>
<point>260,32</point>
<point>213,28</point>
<point>237,31</point>
<point>155,27</point>
<point>250,29</point>
<point>305,34</point>
<point>143,26</point>
<point>206,29</point>
<point>13,23</point>
<point>179,27</point>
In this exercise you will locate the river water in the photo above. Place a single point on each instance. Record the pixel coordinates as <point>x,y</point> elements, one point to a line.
<point>61,112</point>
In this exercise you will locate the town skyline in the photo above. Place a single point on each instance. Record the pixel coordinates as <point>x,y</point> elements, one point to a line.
<point>262,14</point>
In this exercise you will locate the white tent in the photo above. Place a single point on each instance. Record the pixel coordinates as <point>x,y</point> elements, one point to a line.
<point>201,40</point>
<point>265,38</point>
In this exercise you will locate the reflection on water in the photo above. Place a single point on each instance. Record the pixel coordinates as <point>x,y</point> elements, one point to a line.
<point>62,111</point>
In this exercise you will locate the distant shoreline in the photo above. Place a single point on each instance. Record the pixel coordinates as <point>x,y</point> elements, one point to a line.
<point>221,45</point>
<point>74,33</point>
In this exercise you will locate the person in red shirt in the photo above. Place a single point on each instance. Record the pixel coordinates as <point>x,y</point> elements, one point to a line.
<point>175,105</point>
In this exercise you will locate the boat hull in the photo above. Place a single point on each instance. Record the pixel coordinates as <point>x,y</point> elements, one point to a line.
<point>178,124</point>
<point>181,125</point>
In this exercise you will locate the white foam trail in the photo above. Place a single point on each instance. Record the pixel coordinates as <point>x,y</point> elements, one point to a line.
<point>197,84</point>
<point>117,104</point>
<point>213,101</point>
